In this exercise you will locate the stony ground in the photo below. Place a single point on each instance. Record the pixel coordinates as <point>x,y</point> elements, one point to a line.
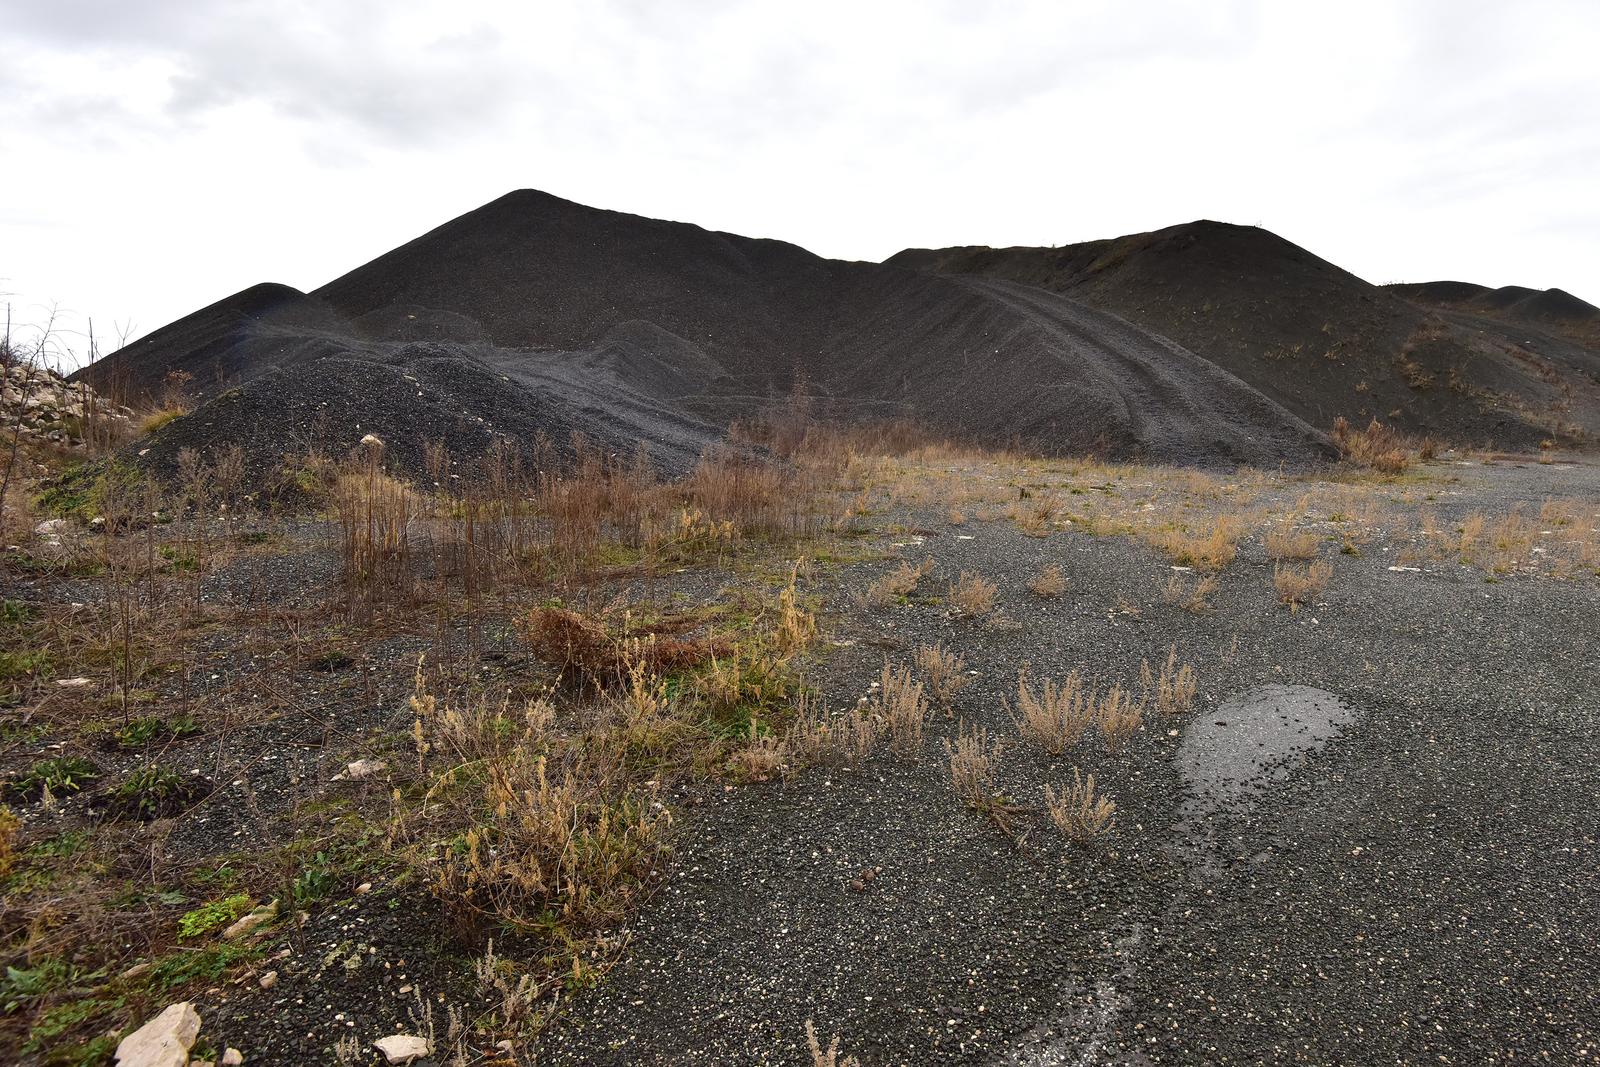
<point>1415,883</point>
<point>1372,839</point>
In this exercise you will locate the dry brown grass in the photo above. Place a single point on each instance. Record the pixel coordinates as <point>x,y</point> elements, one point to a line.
<point>973,595</point>
<point>1192,593</point>
<point>1172,689</point>
<point>1378,447</point>
<point>1118,717</point>
<point>375,513</point>
<point>1079,812</point>
<point>569,639</point>
<point>1211,549</point>
<point>945,672</point>
<point>1049,582</point>
<point>903,709</point>
<point>1057,715</point>
<point>814,737</point>
<point>1296,586</point>
<point>826,1057</point>
<point>1285,542</point>
<point>974,759</point>
<point>899,583</point>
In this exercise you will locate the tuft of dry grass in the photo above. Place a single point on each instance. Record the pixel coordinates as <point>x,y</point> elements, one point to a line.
<point>1284,542</point>
<point>814,737</point>
<point>1298,585</point>
<point>903,709</point>
<point>973,595</point>
<point>1173,689</point>
<point>1118,717</point>
<point>826,1057</point>
<point>898,583</point>
<point>1057,715</point>
<point>1049,582</point>
<point>1211,549</point>
<point>1195,597</point>
<point>945,672</point>
<point>1378,447</point>
<point>1079,812</point>
<point>973,760</point>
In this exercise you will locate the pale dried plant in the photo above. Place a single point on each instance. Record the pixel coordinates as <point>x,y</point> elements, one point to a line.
<point>1118,717</point>
<point>898,583</point>
<point>1057,714</point>
<point>973,595</point>
<point>1471,533</point>
<point>956,517</point>
<point>1297,586</point>
<point>1049,582</point>
<point>1079,812</point>
<point>903,708</point>
<point>512,995</point>
<point>763,756</point>
<point>974,758</point>
<point>1173,688</point>
<point>945,672</point>
<point>796,627</point>
<point>815,737</point>
<point>826,1057</point>
<point>1285,542</point>
<point>1191,592</point>
<point>1210,549</point>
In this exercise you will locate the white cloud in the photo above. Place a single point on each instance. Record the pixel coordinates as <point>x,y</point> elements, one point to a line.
<point>160,156</point>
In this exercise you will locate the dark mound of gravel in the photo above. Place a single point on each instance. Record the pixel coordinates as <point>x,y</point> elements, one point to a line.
<point>1317,339</point>
<point>534,315</point>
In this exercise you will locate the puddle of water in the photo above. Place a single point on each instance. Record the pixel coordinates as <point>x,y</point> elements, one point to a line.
<point>1230,758</point>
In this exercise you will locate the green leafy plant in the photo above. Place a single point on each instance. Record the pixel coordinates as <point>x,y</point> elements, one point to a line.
<point>64,774</point>
<point>151,792</point>
<point>147,728</point>
<point>213,915</point>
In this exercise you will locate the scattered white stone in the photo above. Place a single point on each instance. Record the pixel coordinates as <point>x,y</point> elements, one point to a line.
<point>1413,570</point>
<point>371,440</point>
<point>50,527</point>
<point>363,889</point>
<point>249,923</point>
<point>268,980</point>
<point>232,1057</point>
<point>361,768</point>
<point>163,1041</point>
<point>402,1048</point>
<point>73,683</point>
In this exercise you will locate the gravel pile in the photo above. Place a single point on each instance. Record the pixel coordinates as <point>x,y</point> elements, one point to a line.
<point>536,315</point>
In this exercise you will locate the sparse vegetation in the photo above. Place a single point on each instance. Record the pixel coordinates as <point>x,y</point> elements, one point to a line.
<point>1192,595</point>
<point>900,704</point>
<point>1297,586</point>
<point>1057,714</point>
<point>973,595</point>
<point>1049,582</point>
<point>1079,812</point>
<point>944,672</point>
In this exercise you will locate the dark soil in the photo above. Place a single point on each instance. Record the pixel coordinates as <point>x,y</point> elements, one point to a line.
<point>533,315</point>
<point>1324,343</point>
<point>1415,885</point>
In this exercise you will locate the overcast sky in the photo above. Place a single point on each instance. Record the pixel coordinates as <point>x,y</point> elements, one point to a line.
<point>157,156</point>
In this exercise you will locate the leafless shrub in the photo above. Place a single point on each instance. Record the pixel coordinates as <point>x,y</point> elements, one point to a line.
<point>903,708</point>
<point>1378,447</point>
<point>898,583</point>
<point>1296,585</point>
<point>826,1057</point>
<point>973,760</point>
<point>1211,549</point>
<point>1192,596</point>
<point>1173,689</point>
<point>1079,812</point>
<point>944,671</point>
<point>1284,542</point>
<point>1049,582</point>
<point>761,757</point>
<point>1119,717</point>
<point>814,737</point>
<point>1057,715</point>
<point>973,595</point>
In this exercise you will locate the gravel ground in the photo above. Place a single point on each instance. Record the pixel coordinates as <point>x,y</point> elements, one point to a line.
<point>1407,874</point>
